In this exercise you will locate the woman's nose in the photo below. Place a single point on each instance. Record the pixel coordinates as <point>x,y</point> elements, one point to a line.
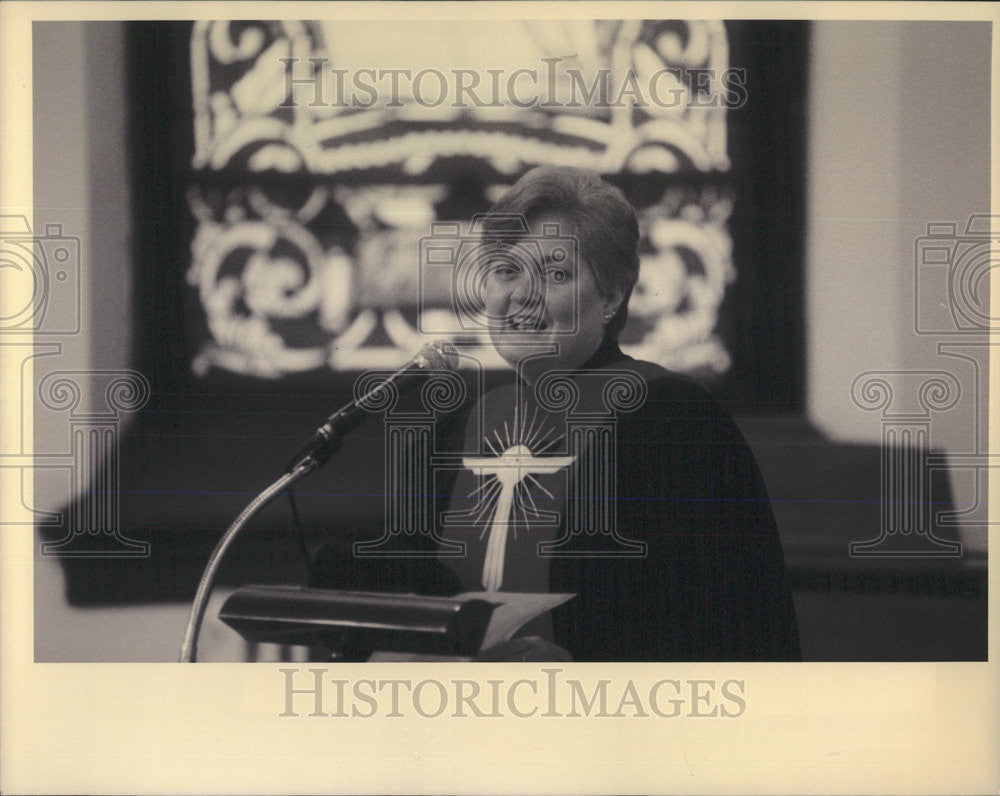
<point>525,291</point>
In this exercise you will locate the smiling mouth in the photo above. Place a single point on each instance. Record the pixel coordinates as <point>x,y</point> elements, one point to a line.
<point>525,324</point>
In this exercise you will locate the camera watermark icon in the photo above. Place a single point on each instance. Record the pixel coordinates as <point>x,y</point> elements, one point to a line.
<point>906,400</point>
<point>41,273</point>
<point>501,254</point>
<point>953,271</point>
<point>92,529</point>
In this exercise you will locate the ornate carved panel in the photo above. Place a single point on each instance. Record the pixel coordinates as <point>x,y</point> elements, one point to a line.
<point>325,153</point>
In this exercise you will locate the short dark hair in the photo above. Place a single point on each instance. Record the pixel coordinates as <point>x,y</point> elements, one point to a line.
<point>602,219</point>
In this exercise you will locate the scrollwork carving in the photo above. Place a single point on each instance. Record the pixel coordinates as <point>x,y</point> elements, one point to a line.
<point>255,86</point>
<point>673,118</point>
<point>251,274</point>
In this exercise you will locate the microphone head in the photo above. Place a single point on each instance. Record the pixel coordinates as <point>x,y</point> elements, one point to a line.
<point>439,355</point>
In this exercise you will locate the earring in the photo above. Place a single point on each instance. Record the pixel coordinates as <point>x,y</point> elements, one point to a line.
<point>608,316</point>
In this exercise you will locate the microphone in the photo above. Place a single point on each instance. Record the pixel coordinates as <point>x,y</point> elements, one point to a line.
<point>439,355</point>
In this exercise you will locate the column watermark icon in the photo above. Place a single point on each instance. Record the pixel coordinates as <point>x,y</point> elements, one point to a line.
<point>93,529</point>
<point>906,400</point>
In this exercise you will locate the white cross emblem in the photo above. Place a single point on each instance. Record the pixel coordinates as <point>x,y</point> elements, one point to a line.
<point>506,472</point>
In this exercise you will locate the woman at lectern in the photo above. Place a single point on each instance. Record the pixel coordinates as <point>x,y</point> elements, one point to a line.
<point>600,475</point>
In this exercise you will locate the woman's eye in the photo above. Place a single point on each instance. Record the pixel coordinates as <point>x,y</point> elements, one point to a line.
<point>504,270</point>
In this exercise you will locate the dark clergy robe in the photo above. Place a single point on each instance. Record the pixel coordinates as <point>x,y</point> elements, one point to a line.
<point>629,486</point>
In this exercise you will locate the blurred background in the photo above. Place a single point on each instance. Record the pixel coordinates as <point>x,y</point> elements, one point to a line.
<point>249,241</point>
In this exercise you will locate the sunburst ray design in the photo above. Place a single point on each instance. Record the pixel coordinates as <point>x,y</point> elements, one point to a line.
<point>506,477</point>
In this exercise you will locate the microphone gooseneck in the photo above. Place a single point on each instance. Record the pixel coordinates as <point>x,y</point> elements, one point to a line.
<point>437,356</point>
<point>440,355</point>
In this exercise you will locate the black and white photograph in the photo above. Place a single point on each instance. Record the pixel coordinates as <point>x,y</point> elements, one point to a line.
<point>519,365</point>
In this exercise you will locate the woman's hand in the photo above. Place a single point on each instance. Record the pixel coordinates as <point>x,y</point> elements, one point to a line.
<point>527,648</point>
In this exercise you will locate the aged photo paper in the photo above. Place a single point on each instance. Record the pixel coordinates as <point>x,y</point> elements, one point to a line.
<point>219,222</point>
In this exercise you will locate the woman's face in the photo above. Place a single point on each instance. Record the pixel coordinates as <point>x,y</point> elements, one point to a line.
<point>542,301</point>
